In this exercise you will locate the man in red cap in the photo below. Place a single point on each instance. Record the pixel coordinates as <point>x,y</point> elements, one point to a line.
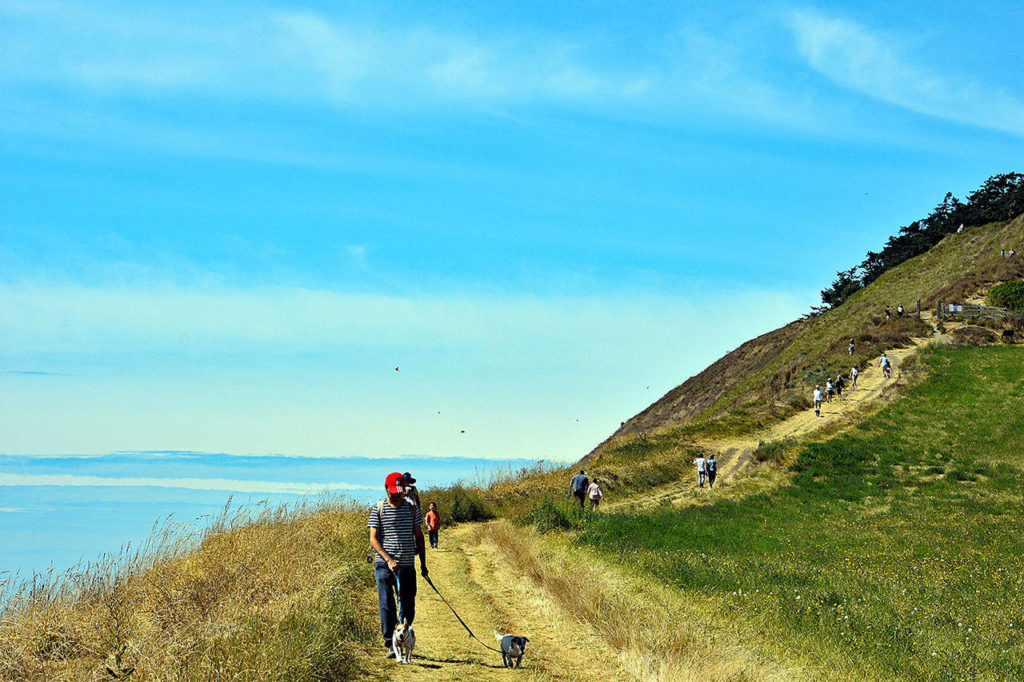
<point>396,539</point>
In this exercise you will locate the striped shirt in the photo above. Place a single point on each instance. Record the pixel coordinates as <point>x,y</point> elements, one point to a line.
<point>395,530</point>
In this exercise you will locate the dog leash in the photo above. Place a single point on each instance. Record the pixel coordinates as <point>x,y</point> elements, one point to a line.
<point>431,583</point>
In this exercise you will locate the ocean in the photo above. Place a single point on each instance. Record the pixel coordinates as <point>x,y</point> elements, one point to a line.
<point>59,511</point>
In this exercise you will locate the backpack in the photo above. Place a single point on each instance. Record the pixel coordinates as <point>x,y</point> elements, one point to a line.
<point>380,515</point>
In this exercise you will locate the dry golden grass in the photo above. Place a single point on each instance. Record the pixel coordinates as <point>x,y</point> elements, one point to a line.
<point>266,598</point>
<point>657,633</point>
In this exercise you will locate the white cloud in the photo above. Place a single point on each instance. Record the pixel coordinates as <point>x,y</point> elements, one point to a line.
<point>853,56</point>
<point>225,484</point>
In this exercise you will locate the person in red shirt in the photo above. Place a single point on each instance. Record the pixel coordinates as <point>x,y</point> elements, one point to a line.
<point>433,521</point>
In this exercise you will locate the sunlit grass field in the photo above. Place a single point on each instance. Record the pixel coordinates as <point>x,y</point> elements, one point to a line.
<point>897,550</point>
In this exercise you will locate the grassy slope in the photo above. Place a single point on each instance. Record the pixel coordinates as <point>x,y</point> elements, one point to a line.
<point>896,553</point>
<point>735,388</point>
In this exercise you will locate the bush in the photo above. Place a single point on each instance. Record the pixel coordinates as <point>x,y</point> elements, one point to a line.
<point>556,515</point>
<point>1008,295</point>
<point>458,503</point>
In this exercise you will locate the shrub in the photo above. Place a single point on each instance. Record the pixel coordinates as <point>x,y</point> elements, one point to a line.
<point>1008,295</point>
<point>556,515</point>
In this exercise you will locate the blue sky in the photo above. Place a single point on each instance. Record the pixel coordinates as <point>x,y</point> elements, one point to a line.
<point>221,229</point>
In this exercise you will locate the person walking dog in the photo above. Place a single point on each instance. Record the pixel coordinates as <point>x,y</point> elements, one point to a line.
<point>578,487</point>
<point>396,539</point>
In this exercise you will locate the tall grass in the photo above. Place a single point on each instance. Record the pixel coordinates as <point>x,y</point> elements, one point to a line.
<point>896,551</point>
<point>258,593</point>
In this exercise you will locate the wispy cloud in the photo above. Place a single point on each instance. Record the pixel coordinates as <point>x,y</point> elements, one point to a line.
<point>285,55</point>
<point>81,320</point>
<point>869,62</point>
<point>33,373</point>
<point>224,484</point>
<point>320,60</point>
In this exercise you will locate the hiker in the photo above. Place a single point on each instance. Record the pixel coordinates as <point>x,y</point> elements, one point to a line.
<point>712,467</point>
<point>412,493</point>
<point>899,310</point>
<point>851,346</point>
<point>885,365</point>
<point>830,390</point>
<point>1012,253</point>
<point>840,384</point>
<point>960,229</point>
<point>888,313</point>
<point>396,539</point>
<point>853,377</point>
<point>595,494</point>
<point>433,523</point>
<point>817,401</point>
<point>702,471</point>
<point>578,487</point>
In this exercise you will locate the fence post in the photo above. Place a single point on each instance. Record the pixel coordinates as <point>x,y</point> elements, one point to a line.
<point>919,307</point>
<point>938,312</point>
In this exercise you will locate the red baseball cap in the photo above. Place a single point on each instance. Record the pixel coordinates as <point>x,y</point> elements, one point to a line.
<point>394,483</point>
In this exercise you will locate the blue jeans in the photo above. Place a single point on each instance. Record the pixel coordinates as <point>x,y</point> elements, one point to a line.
<point>388,583</point>
<point>433,538</point>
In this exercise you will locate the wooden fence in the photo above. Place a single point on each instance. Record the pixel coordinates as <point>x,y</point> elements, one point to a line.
<point>951,310</point>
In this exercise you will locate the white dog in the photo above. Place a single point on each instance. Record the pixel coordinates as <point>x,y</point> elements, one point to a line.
<point>512,649</point>
<point>403,640</point>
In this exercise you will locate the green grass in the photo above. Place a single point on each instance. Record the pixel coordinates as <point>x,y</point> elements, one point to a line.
<point>896,552</point>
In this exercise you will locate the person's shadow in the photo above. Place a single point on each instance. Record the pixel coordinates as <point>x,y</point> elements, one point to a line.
<point>434,662</point>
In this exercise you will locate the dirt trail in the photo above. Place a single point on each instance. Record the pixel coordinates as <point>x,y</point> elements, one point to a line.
<point>734,454</point>
<point>488,596</point>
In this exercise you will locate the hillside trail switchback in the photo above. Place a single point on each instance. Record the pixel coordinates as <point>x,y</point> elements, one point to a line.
<point>734,454</point>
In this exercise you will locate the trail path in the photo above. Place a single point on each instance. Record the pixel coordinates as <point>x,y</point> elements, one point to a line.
<point>734,454</point>
<point>488,596</point>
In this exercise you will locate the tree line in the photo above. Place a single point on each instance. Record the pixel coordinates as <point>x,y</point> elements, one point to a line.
<point>1000,198</point>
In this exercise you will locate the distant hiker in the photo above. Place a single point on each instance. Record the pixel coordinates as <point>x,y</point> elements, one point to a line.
<point>578,487</point>
<point>433,522</point>
<point>853,377</point>
<point>885,365</point>
<point>411,492</point>
<point>851,346</point>
<point>712,466</point>
<point>899,310</point>
<point>702,470</point>
<point>830,390</point>
<point>840,384</point>
<point>960,229</point>
<point>1002,253</point>
<point>1012,253</point>
<point>888,313</point>
<point>396,539</point>
<point>817,400</point>
<point>595,494</point>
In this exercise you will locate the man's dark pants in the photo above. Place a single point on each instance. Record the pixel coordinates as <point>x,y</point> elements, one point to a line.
<point>387,584</point>
<point>581,496</point>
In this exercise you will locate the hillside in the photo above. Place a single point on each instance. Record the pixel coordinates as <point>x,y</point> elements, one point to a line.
<point>769,377</point>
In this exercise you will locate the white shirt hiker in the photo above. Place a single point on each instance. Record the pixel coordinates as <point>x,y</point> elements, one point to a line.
<point>594,492</point>
<point>701,463</point>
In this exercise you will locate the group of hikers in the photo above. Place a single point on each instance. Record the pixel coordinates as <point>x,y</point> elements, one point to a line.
<point>834,387</point>
<point>582,489</point>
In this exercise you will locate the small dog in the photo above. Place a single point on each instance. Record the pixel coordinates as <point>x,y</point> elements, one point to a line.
<point>512,648</point>
<point>403,640</point>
